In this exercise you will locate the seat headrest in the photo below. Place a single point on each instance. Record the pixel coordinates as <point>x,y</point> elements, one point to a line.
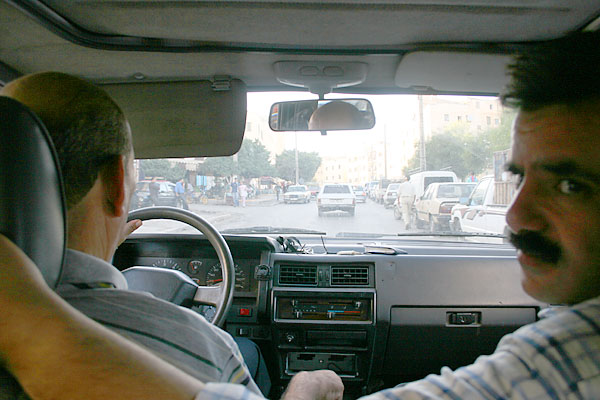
<point>32,203</point>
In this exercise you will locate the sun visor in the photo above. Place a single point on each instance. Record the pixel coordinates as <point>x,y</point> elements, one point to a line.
<point>453,72</point>
<point>183,119</point>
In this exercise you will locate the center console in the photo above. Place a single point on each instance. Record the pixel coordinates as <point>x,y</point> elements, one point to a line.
<point>324,318</point>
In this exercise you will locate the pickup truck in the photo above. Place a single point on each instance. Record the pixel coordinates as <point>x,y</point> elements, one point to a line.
<point>485,210</point>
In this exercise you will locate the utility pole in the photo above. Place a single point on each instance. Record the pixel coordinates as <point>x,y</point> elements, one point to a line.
<point>296,154</point>
<point>385,169</point>
<point>422,155</point>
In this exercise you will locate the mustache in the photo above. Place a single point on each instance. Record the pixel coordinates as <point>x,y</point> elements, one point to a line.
<point>536,245</point>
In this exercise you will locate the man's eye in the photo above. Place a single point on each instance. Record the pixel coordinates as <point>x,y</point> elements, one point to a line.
<point>567,186</point>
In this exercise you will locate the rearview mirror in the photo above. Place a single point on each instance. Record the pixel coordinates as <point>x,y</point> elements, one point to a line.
<point>322,115</point>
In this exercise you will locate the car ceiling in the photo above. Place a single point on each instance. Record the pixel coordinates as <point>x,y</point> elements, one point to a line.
<point>190,40</point>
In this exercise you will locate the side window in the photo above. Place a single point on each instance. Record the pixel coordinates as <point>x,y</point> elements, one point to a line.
<point>479,193</point>
<point>428,192</point>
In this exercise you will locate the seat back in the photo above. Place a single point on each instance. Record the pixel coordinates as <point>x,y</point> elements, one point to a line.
<point>32,206</point>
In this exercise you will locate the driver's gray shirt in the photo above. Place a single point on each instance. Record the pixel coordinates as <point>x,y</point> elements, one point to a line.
<point>179,335</point>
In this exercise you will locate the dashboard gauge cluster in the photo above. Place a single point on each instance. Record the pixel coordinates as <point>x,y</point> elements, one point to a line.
<point>214,276</point>
<point>208,271</point>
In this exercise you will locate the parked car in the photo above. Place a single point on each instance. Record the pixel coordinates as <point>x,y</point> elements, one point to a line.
<point>296,194</point>
<point>371,188</point>
<point>336,197</point>
<point>482,212</point>
<point>381,189</point>
<point>141,197</point>
<point>360,193</point>
<point>391,194</point>
<point>434,207</point>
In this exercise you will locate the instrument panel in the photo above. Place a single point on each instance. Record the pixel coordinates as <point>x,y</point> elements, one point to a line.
<point>207,271</point>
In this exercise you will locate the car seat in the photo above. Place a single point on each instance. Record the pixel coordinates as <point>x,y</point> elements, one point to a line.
<point>32,204</point>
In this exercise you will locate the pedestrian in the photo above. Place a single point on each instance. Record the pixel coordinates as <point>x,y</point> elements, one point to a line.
<point>234,192</point>
<point>406,198</point>
<point>471,177</point>
<point>243,191</point>
<point>154,188</point>
<point>180,193</point>
<point>277,191</point>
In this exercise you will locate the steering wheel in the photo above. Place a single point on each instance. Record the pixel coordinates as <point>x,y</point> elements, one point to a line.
<point>219,296</point>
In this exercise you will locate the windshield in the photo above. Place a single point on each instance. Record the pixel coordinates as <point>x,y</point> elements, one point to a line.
<point>465,139</point>
<point>329,189</point>
<point>459,191</point>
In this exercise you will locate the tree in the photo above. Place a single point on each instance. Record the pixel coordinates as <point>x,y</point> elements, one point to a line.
<point>308,163</point>
<point>162,168</point>
<point>252,161</point>
<point>459,150</point>
<point>217,166</point>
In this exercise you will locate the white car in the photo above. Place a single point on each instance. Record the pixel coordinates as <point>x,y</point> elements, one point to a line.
<point>391,194</point>
<point>296,194</point>
<point>336,197</point>
<point>434,207</point>
<point>360,193</point>
<point>483,211</point>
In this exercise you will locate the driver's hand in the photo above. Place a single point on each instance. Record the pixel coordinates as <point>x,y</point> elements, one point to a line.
<point>315,385</point>
<point>129,228</point>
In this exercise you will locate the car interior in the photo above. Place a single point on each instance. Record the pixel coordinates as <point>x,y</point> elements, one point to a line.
<point>377,306</point>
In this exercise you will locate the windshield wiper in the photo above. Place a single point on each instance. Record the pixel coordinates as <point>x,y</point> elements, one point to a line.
<point>273,229</point>
<point>453,234</point>
<point>361,235</point>
<point>365,235</point>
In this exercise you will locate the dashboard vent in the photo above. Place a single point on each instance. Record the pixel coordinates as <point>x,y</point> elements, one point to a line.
<point>350,275</point>
<point>298,274</point>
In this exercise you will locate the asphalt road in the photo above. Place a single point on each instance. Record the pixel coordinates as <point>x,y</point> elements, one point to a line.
<point>369,217</point>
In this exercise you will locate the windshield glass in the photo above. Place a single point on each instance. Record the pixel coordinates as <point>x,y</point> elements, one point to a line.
<point>461,139</point>
<point>328,189</point>
<point>455,190</point>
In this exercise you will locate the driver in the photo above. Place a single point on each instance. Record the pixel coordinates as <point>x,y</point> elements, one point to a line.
<point>94,146</point>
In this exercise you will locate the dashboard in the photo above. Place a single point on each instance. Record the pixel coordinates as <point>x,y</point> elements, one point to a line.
<point>368,316</point>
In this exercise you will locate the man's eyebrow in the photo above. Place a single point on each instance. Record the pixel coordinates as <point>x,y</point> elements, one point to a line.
<point>569,168</point>
<point>513,168</point>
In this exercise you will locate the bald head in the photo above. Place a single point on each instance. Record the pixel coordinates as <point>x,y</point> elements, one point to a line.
<point>87,127</point>
<point>334,115</point>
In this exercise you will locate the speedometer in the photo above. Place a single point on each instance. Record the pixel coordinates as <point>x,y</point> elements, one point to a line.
<point>214,276</point>
<point>166,263</point>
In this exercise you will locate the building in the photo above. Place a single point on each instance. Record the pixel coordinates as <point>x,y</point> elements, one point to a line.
<point>477,114</point>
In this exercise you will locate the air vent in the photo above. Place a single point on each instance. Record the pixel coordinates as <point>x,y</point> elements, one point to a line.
<point>350,275</point>
<point>298,274</point>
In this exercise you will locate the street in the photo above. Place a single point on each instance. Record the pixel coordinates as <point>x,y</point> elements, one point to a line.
<point>370,217</point>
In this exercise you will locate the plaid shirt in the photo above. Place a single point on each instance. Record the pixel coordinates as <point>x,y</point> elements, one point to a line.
<point>557,357</point>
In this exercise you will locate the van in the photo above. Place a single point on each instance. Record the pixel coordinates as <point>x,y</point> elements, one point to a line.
<point>421,180</point>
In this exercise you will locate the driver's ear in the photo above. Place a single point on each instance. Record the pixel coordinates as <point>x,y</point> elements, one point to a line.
<point>112,176</point>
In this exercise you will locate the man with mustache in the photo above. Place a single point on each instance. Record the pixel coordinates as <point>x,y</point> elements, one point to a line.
<point>555,224</point>
<point>554,220</point>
